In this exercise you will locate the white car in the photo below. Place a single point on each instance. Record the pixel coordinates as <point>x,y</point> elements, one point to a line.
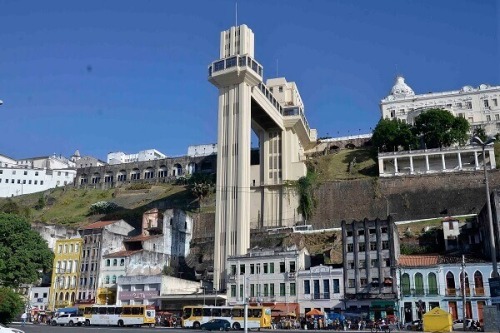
<point>458,325</point>
<point>69,319</point>
<point>5,329</point>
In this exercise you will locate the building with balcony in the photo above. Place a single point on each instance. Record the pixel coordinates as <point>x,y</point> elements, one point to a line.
<point>267,277</point>
<point>65,272</point>
<point>99,238</point>
<point>320,287</point>
<point>428,281</point>
<point>480,106</point>
<point>370,254</point>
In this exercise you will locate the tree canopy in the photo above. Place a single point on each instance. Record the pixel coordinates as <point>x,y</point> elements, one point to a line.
<point>24,254</point>
<point>390,134</point>
<point>439,128</point>
<point>11,305</point>
<point>433,128</point>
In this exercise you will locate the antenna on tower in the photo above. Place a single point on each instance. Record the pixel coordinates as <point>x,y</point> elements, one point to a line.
<point>236,12</point>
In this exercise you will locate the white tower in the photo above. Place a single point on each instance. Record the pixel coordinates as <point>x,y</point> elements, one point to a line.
<point>234,75</point>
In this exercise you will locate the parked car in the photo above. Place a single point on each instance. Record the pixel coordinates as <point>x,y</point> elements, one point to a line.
<point>70,319</point>
<point>216,325</point>
<point>415,325</point>
<point>458,325</point>
<point>5,329</point>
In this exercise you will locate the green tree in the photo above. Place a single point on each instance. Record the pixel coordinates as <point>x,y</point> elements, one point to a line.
<point>481,133</point>
<point>305,189</point>
<point>11,305</point>
<point>24,254</point>
<point>439,128</point>
<point>390,134</point>
<point>200,184</point>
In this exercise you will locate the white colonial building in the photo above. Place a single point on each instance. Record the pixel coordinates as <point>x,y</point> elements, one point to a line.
<point>144,155</point>
<point>35,174</point>
<point>268,277</point>
<point>321,287</point>
<point>480,106</point>
<point>428,281</point>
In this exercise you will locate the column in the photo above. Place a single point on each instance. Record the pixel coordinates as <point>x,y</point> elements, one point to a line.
<point>476,160</point>
<point>395,165</point>
<point>411,166</point>
<point>427,168</point>
<point>380,166</point>
<point>443,163</point>
<point>459,155</point>
<point>491,154</point>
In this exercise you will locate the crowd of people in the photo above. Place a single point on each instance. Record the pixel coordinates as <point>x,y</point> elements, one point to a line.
<point>319,323</point>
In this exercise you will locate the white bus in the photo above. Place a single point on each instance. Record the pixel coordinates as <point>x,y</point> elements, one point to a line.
<point>193,316</point>
<point>126,315</point>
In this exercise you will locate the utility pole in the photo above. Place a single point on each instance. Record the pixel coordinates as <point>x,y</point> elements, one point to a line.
<point>245,305</point>
<point>464,294</point>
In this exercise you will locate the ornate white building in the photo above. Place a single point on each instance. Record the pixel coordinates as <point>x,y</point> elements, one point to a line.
<point>480,106</point>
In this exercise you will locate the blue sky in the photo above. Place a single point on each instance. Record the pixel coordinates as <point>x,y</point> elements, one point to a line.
<point>102,76</point>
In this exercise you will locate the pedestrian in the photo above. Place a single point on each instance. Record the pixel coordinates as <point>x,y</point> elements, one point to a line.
<point>24,316</point>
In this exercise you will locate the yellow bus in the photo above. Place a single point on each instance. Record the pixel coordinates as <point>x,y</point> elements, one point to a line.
<point>126,315</point>
<point>195,315</point>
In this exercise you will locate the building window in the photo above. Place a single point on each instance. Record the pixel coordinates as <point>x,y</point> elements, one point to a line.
<point>252,290</point>
<point>307,287</point>
<point>115,262</point>
<point>468,105</point>
<point>375,282</point>
<point>113,280</point>
<point>233,270</point>
<point>486,103</point>
<point>387,262</point>
<point>293,291</point>
<point>282,289</point>
<point>362,247</point>
<point>266,290</point>
<point>242,269</point>
<point>280,89</point>
<point>383,230</point>
<point>362,264</point>
<point>495,102</point>
<point>385,245</point>
<point>350,283</point>
<point>350,264</point>
<point>497,116</point>
<point>271,268</point>
<point>271,289</point>
<point>488,118</point>
<point>292,266</point>
<point>122,262</point>
<point>282,267</point>
<point>233,290</point>
<point>266,270</point>
<point>108,262</point>
<point>41,182</point>
<point>350,247</point>
<point>374,263</point>
<point>361,232</point>
<point>373,246</point>
<point>107,279</point>
<point>363,282</point>
<point>336,286</point>
<point>252,268</point>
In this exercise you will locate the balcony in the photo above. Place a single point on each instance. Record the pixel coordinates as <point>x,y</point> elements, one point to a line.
<point>420,292</point>
<point>320,296</point>
<point>238,61</point>
<point>479,292</point>
<point>458,292</point>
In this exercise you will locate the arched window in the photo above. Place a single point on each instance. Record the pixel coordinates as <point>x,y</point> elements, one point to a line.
<point>108,262</point>
<point>113,280</point>
<point>419,284</point>
<point>122,262</point>
<point>107,279</point>
<point>115,262</point>
<point>450,284</point>
<point>478,284</point>
<point>432,282</point>
<point>405,284</point>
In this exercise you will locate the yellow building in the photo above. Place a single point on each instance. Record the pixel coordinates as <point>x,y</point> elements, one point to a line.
<point>65,272</point>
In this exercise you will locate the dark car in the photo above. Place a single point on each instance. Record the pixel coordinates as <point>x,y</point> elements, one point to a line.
<point>216,325</point>
<point>415,325</point>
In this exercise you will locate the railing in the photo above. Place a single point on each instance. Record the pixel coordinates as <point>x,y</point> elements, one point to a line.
<point>234,61</point>
<point>269,95</point>
<point>320,296</point>
<point>458,292</point>
<point>478,291</point>
<point>419,292</point>
<point>296,111</point>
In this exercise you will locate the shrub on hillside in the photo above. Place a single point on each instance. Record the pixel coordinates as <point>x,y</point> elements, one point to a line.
<point>102,207</point>
<point>139,186</point>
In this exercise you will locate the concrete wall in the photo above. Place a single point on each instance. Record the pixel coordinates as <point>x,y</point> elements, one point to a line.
<point>406,198</point>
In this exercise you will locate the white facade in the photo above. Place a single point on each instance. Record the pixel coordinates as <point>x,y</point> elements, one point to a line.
<point>438,160</point>
<point>39,298</point>
<point>202,150</point>
<point>423,287</point>
<point>266,275</point>
<point>144,155</point>
<point>480,106</point>
<point>320,287</point>
<point>22,180</point>
<point>7,162</point>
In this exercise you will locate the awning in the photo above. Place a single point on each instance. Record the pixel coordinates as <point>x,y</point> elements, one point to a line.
<point>284,309</point>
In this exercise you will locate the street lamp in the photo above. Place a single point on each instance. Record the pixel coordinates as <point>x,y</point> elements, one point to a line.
<point>488,142</point>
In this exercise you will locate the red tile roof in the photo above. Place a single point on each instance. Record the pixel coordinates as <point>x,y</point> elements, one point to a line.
<point>124,253</point>
<point>99,224</point>
<point>418,260</point>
